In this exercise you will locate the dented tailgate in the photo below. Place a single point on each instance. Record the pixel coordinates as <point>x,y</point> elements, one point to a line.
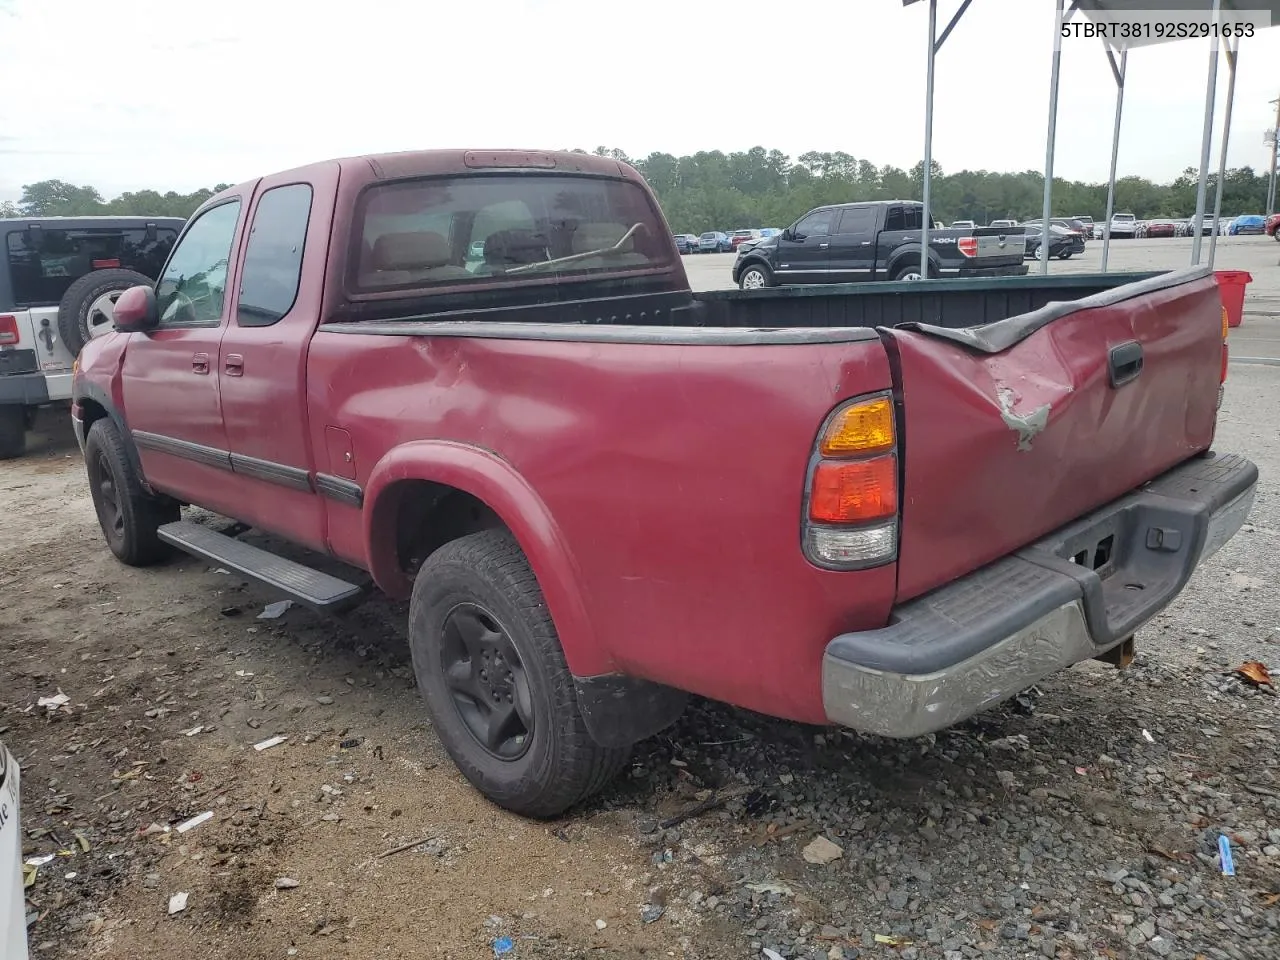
<point>1015,428</point>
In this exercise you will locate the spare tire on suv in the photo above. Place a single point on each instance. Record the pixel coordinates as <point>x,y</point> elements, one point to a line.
<point>86,308</point>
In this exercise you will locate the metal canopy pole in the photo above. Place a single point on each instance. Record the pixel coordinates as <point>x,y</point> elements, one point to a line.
<point>926,216</point>
<point>1058,20</point>
<point>1232,54</point>
<point>1119,73</point>
<point>935,44</point>
<point>1205,141</point>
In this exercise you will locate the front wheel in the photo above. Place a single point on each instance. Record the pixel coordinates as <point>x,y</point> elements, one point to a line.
<point>755,277</point>
<point>128,515</point>
<point>489,664</point>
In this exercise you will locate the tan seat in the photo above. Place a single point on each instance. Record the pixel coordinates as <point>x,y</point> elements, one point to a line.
<point>399,258</point>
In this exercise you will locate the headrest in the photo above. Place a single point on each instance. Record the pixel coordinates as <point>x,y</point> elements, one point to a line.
<point>508,248</point>
<point>600,236</point>
<point>409,251</point>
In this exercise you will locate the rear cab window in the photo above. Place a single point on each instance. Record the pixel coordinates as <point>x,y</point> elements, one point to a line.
<point>500,229</point>
<point>43,262</point>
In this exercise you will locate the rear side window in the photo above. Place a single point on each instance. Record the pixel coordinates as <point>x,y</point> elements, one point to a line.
<point>273,257</point>
<point>44,262</point>
<point>856,220</point>
<point>487,229</point>
<point>904,218</point>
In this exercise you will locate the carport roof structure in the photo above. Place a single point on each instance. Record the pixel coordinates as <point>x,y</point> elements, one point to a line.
<point>1110,11</point>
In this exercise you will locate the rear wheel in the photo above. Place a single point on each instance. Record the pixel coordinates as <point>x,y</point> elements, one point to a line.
<point>755,277</point>
<point>1064,255</point>
<point>489,664</point>
<point>908,271</point>
<point>13,430</point>
<point>128,515</point>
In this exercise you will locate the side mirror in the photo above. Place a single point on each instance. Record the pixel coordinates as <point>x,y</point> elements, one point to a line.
<point>135,311</point>
<point>788,234</point>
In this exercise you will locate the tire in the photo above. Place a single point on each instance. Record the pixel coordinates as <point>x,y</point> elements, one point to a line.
<point>128,515</point>
<point>13,430</point>
<point>81,314</point>
<point>481,586</point>
<point>1065,255</point>
<point>908,271</point>
<point>760,275</point>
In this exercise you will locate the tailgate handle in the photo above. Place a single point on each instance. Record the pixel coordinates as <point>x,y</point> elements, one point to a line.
<point>1125,363</point>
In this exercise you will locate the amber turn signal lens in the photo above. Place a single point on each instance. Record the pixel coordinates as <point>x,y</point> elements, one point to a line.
<point>856,491</point>
<point>1225,323</point>
<point>859,428</point>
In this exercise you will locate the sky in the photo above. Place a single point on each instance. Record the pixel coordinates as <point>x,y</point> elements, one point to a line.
<point>178,94</point>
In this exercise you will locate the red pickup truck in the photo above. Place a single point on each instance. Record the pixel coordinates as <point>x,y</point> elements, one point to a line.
<point>480,381</point>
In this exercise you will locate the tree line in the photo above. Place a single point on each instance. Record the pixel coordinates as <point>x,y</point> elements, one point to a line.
<point>714,190</point>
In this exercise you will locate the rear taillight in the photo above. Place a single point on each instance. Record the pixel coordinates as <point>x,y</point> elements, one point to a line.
<point>968,246</point>
<point>8,330</point>
<point>851,502</point>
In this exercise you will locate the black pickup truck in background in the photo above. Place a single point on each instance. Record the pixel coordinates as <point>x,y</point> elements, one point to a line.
<point>880,240</point>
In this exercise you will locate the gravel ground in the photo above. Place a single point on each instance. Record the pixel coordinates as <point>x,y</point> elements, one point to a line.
<point>1081,822</point>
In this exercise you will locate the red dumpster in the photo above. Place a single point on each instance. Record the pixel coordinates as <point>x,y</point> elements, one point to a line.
<point>1231,286</point>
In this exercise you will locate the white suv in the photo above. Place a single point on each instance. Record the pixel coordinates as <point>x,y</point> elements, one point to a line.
<point>1123,225</point>
<point>59,280</point>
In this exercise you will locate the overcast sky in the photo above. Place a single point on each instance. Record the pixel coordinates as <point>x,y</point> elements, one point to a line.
<point>174,94</point>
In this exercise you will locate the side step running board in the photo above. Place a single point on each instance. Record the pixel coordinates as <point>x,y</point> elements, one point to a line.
<point>309,587</point>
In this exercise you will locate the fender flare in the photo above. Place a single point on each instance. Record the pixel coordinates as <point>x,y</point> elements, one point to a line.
<point>94,393</point>
<point>911,251</point>
<point>495,482</point>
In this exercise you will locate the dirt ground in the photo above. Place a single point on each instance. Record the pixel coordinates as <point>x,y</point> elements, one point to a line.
<point>148,656</point>
<point>386,852</point>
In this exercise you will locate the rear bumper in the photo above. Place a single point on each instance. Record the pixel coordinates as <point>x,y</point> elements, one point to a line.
<point>28,389</point>
<point>1008,270</point>
<point>983,638</point>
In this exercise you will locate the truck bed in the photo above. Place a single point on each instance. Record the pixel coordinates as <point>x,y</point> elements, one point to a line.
<point>942,303</point>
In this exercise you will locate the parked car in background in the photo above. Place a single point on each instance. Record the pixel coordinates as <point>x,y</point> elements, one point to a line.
<point>770,231</point>
<point>1161,228</point>
<point>685,243</point>
<point>1206,225</point>
<point>1089,226</point>
<point>1072,225</point>
<point>962,225</point>
<point>877,240</point>
<point>1251,224</point>
<point>58,287</point>
<point>13,913</point>
<point>1273,226</point>
<point>1123,226</point>
<point>1063,243</point>
<point>714,241</point>
<point>1003,223</point>
<point>738,237</point>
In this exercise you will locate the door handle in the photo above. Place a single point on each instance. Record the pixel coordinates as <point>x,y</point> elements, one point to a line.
<point>200,363</point>
<point>233,365</point>
<point>1124,363</point>
<point>822,246</point>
